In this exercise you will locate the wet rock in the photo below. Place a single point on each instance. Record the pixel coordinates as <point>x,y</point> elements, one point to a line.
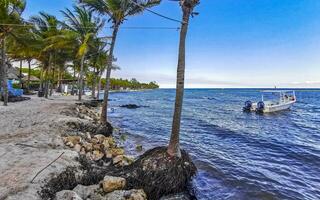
<point>130,106</point>
<point>111,183</point>
<point>67,195</point>
<point>139,147</point>
<point>127,195</point>
<point>85,191</point>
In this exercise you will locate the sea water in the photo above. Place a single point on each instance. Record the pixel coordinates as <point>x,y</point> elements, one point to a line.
<point>239,155</point>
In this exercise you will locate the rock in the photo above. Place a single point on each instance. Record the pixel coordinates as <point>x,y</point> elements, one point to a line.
<point>108,154</point>
<point>105,130</point>
<point>98,147</point>
<point>77,147</point>
<point>72,140</point>
<point>67,195</point>
<point>108,142</point>
<point>97,155</point>
<point>88,146</point>
<point>136,195</point>
<point>130,106</point>
<point>88,136</point>
<point>126,195</point>
<point>85,191</point>
<point>116,151</point>
<point>100,138</point>
<point>111,183</point>
<point>138,147</point>
<point>118,159</point>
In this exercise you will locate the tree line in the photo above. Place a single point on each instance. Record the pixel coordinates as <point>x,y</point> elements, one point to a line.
<point>76,42</point>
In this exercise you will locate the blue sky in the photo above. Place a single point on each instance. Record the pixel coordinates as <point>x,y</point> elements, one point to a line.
<point>232,43</point>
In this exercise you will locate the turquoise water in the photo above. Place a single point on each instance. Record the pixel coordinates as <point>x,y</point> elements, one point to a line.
<point>239,155</point>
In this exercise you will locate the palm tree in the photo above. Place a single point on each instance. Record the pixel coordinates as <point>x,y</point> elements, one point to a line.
<point>46,26</point>
<point>10,12</point>
<point>117,11</point>
<point>187,7</point>
<point>85,27</point>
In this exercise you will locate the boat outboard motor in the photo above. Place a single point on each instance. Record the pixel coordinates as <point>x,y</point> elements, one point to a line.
<point>260,107</point>
<point>247,106</point>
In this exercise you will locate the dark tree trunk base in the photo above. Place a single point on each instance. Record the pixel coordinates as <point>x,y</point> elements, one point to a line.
<point>159,174</point>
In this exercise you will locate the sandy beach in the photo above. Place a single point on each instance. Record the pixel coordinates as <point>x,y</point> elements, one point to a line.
<point>30,138</point>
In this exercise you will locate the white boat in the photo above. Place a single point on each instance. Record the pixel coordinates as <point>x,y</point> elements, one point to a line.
<point>282,100</point>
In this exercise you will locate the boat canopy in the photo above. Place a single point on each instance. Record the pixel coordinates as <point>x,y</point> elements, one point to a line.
<point>277,91</point>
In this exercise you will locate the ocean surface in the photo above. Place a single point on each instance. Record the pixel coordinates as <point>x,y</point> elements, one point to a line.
<point>239,155</point>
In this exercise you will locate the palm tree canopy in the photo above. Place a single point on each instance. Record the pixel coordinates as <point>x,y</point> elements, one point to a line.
<point>118,10</point>
<point>82,26</point>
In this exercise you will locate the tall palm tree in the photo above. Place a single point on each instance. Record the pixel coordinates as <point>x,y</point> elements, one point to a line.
<point>187,7</point>
<point>85,27</point>
<point>117,11</point>
<point>10,12</point>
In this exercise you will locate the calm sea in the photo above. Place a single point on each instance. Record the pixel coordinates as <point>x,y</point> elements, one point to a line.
<point>239,155</point>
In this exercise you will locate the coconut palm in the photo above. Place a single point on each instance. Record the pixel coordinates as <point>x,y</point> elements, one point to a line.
<point>46,26</point>
<point>85,27</point>
<point>117,11</point>
<point>10,12</point>
<point>187,7</point>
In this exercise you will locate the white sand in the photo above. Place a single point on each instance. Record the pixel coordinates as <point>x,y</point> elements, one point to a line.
<point>34,122</point>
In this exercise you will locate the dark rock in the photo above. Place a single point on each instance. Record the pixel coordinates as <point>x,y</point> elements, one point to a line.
<point>105,130</point>
<point>130,106</point>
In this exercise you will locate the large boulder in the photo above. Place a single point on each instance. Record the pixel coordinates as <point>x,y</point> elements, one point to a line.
<point>67,195</point>
<point>112,183</point>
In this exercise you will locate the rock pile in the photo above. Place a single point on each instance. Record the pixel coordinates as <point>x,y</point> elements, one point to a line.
<point>98,147</point>
<point>110,188</point>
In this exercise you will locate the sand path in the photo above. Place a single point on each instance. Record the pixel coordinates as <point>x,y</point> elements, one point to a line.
<point>36,123</point>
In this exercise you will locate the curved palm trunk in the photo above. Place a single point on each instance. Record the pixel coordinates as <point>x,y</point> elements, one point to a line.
<point>174,145</point>
<point>4,74</point>
<point>104,115</point>
<point>81,78</point>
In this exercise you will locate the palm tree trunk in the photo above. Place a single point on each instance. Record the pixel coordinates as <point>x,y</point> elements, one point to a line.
<point>174,144</point>
<point>4,74</point>
<point>29,72</point>
<point>94,83</point>
<point>20,74</point>
<point>99,84</point>
<point>53,81</point>
<point>81,79</point>
<point>104,115</point>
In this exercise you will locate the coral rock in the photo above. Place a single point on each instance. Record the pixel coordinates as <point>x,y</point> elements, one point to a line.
<point>72,140</point>
<point>97,155</point>
<point>111,183</point>
<point>67,195</point>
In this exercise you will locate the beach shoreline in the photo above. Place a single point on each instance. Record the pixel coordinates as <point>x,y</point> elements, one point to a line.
<point>31,137</point>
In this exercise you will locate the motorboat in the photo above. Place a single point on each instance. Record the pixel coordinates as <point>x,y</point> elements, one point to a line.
<point>272,101</point>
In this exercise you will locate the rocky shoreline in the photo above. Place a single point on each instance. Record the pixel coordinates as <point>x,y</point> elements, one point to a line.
<point>93,162</point>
